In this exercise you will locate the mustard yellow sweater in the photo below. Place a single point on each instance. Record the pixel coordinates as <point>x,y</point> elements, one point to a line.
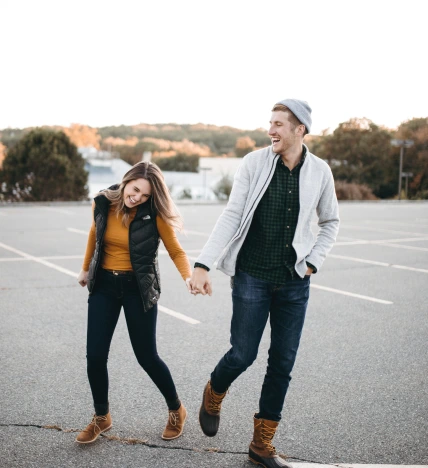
<point>115,247</point>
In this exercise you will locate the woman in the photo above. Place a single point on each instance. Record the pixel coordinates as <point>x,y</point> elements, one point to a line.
<point>121,269</point>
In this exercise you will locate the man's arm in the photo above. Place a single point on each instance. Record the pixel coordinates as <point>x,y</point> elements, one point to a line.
<point>226,227</point>
<point>229,221</point>
<point>328,221</point>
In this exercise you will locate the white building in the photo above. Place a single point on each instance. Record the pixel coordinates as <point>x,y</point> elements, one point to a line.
<point>104,170</point>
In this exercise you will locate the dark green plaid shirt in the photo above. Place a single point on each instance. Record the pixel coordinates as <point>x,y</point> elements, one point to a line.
<point>267,252</point>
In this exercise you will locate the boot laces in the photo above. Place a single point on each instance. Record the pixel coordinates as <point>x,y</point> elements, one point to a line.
<point>266,436</point>
<point>173,418</point>
<point>97,419</point>
<point>215,402</point>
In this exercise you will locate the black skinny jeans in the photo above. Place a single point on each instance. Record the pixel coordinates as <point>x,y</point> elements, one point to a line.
<point>110,293</point>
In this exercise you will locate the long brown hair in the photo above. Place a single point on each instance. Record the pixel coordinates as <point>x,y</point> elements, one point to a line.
<point>160,197</point>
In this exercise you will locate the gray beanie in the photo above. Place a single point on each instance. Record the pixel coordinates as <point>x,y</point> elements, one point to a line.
<point>300,109</point>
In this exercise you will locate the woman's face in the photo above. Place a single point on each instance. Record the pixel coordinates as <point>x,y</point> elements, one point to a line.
<point>136,192</point>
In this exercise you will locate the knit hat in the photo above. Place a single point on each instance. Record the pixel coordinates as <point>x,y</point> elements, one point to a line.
<point>300,109</point>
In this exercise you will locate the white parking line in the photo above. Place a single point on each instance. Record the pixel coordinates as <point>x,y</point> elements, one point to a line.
<point>178,315</point>
<point>14,259</point>
<point>56,257</point>
<point>346,293</point>
<point>39,260</point>
<point>26,256</point>
<point>196,233</point>
<point>388,243</point>
<point>364,228</point>
<point>347,465</point>
<point>337,291</point>
<point>373,262</point>
<point>398,223</point>
<point>78,231</point>
<point>407,247</point>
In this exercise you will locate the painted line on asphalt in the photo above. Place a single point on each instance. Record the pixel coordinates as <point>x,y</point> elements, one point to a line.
<point>406,239</point>
<point>381,241</point>
<point>78,231</point>
<point>56,257</point>
<point>349,238</point>
<point>337,291</point>
<point>373,262</point>
<point>364,228</point>
<point>407,247</point>
<point>195,233</point>
<point>398,223</point>
<point>178,315</point>
<point>26,256</point>
<point>38,260</point>
<point>347,465</point>
<point>346,293</point>
<point>14,259</point>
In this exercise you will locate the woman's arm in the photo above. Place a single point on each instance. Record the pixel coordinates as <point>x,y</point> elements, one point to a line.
<point>90,248</point>
<point>172,245</point>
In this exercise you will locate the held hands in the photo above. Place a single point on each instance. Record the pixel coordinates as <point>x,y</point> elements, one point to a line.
<point>82,279</point>
<point>200,282</point>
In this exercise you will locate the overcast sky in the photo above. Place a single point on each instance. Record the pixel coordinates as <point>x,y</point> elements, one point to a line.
<point>217,62</point>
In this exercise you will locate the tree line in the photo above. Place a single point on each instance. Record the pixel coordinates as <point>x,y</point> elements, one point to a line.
<point>43,163</point>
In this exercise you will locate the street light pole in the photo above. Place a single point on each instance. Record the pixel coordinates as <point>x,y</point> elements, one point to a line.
<point>402,144</point>
<point>407,175</point>
<point>204,175</point>
<point>400,172</point>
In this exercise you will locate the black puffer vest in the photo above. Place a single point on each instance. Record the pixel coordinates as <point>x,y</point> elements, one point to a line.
<point>143,248</point>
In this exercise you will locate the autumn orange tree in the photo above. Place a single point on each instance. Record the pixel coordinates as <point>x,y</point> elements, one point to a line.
<point>244,145</point>
<point>82,135</point>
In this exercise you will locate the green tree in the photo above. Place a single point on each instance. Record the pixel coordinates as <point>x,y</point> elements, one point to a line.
<point>360,152</point>
<point>415,157</point>
<point>46,166</point>
<point>179,163</point>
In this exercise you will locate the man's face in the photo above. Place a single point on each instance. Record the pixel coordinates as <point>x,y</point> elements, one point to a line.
<point>282,133</point>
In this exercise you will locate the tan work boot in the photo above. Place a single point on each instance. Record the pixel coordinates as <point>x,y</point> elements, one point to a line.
<point>175,425</point>
<point>98,425</point>
<point>209,414</point>
<point>261,451</point>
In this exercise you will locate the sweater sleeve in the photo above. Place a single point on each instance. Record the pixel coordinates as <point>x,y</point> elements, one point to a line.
<point>172,245</point>
<point>90,246</point>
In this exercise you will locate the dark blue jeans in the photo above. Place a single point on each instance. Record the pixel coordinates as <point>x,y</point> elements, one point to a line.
<point>253,299</point>
<point>110,293</point>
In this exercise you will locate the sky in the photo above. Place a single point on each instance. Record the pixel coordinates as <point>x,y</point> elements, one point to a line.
<point>219,62</point>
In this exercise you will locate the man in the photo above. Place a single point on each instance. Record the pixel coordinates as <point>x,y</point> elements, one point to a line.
<point>265,243</point>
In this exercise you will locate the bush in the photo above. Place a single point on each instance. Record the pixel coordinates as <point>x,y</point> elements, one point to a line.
<point>421,195</point>
<point>351,191</point>
<point>223,188</point>
<point>43,166</point>
<point>179,163</point>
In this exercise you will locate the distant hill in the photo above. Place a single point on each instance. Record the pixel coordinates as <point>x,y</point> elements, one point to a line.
<point>219,140</point>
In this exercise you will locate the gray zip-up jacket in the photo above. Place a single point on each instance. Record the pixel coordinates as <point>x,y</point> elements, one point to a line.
<point>316,194</point>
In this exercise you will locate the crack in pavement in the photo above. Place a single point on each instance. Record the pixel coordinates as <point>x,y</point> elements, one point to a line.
<point>146,443</point>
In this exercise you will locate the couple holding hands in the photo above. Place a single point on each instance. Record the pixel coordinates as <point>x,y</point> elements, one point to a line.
<point>263,240</point>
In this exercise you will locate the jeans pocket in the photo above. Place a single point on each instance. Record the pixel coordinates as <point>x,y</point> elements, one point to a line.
<point>232,281</point>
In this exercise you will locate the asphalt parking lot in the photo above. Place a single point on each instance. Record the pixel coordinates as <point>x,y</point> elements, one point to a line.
<point>359,393</point>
